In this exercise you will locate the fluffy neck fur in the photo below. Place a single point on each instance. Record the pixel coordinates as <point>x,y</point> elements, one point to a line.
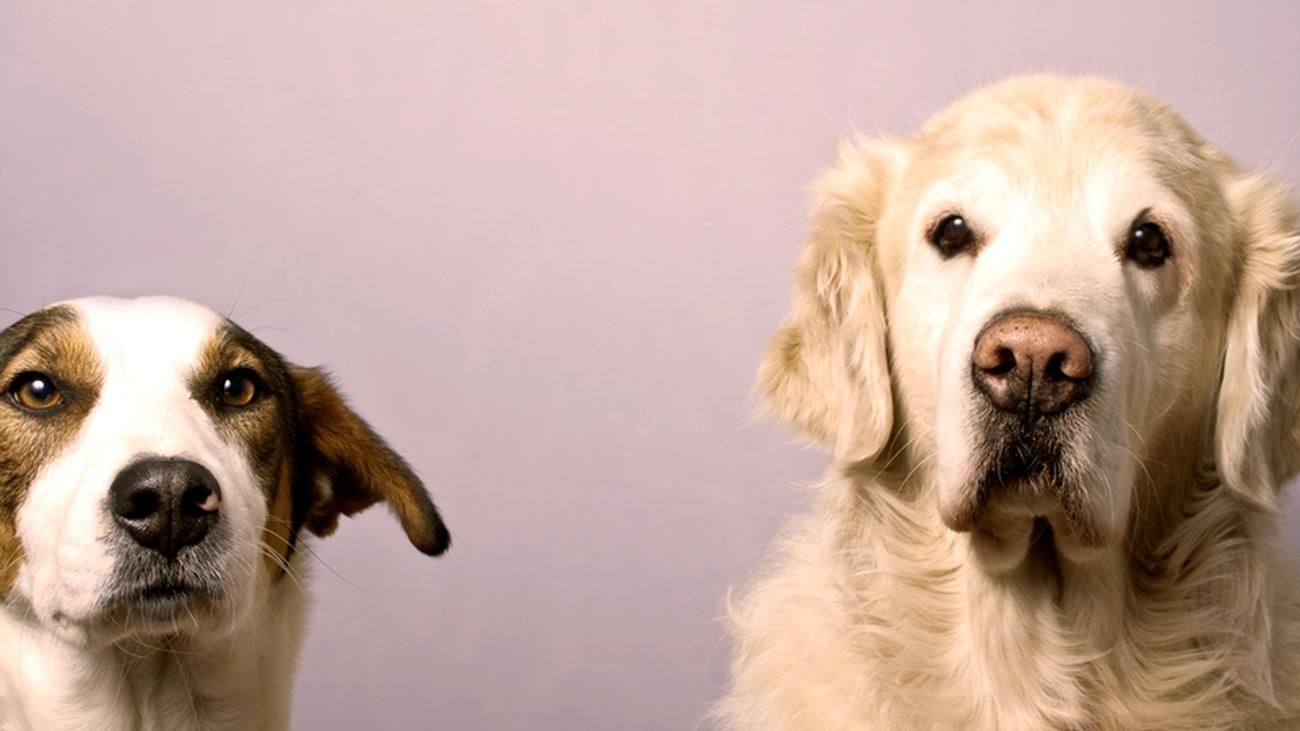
<point>236,678</point>
<point>892,626</point>
<point>1173,630</point>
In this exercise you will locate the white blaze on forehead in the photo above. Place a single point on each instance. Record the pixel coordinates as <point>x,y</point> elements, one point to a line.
<point>153,333</point>
<point>149,350</point>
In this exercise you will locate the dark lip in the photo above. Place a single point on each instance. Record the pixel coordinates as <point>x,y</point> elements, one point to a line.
<point>162,601</point>
<point>1016,462</point>
<point>163,592</point>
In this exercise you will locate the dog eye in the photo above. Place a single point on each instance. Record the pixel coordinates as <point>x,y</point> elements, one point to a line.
<point>238,388</point>
<point>1147,245</point>
<point>35,391</point>
<point>952,236</point>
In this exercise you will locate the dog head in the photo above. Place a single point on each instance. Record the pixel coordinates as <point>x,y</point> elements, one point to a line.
<point>1050,300</point>
<point>158,465</point>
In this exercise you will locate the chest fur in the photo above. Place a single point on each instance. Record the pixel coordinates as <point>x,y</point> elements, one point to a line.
<point>239,679</point>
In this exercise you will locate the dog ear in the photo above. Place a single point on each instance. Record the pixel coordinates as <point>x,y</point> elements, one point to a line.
<point>827,371</point>
<point>1256,437</point>
<point>352,468</point>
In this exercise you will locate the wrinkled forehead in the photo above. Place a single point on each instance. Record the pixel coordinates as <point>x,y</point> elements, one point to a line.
<point>151,340</point>
<point>1063,157</point>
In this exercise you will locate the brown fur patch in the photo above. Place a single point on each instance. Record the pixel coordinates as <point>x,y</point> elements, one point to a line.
<point>279,533</point>
<point>266,428</point>
<point>53,342</point>
<point>360,469</point>
<point>313,456</point>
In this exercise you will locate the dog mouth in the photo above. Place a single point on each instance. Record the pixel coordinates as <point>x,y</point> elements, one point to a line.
<point>141,609</point>
<point>150,594</point>
<point>166,594</point>
<point>164,602</point>
<point>147,589</point>
<point>1023,478</point>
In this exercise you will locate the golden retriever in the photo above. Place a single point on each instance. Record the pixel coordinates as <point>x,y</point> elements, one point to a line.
<point>1051,343</point>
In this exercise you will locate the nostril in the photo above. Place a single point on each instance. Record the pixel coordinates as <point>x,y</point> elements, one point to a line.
<point>200,500</point>
<point>136,505</point>
<point>1055,368</point>
<point>1069,365</point>
<point>1003,362</point>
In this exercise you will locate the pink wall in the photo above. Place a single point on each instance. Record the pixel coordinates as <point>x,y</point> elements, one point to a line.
<point>542,245</point>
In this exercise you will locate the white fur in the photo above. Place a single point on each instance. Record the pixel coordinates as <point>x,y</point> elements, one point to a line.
<point>238,677</point>
<point>61,666</point>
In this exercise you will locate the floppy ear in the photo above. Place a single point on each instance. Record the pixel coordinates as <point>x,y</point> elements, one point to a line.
<point>1257,444</point>
<point>353,468</point>
<point>827,371</point>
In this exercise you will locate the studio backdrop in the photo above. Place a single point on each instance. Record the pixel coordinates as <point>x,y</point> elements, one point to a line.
<point>542,246</point>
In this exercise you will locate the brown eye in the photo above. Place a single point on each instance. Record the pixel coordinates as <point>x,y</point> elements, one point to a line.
<point>1147,245</point>
<point>35,391</point>
<point>238,387</point>
<point>952,236</point>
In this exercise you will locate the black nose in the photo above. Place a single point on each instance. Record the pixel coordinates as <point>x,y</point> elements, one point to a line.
<point>165,504</point>
<point>1032,364</point>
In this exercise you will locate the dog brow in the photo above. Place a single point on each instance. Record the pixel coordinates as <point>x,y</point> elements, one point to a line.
<point>21,335</point>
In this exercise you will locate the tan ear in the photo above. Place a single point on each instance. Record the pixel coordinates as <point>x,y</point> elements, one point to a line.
<point>827,371</point>
<point>354,469</point>
<point>1257,444</point>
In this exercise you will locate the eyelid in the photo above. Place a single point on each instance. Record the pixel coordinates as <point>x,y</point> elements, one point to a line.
<point>242,362</point>
<point>1150,215</point>
<point>933,222</point>
<point>20,375</point>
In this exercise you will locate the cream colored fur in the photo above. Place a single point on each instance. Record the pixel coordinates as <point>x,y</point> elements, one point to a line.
<point>874,614</point>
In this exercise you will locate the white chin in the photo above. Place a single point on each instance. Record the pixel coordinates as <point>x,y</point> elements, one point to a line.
<point>1000,543</point>
<point>1004,541</point>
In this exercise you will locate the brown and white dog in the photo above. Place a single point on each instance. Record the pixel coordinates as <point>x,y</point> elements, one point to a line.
<point>158,468</point>
<point>1051,342</point>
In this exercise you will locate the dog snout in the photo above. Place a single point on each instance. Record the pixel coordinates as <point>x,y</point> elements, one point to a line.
<point>1032,364</point>
<point>165,504</point>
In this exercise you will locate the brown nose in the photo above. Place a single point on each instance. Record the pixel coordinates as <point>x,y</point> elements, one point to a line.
<point>1032,364</point>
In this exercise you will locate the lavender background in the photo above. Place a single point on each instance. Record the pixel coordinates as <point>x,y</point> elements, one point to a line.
<point>542,245</point>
